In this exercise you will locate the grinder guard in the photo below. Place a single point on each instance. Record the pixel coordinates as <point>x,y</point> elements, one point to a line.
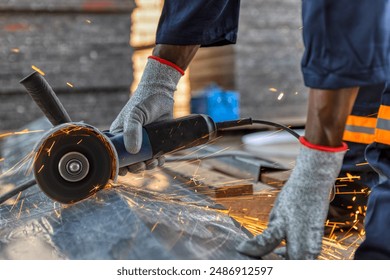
<point>74,143</point>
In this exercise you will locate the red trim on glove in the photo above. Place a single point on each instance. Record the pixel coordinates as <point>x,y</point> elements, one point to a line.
<point>166,62</point>
<point>306,143</point>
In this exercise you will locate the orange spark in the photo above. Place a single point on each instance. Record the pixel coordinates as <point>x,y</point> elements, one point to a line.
<point>349,178</point>
<point>38,70</point>
<point>15,50</point>
<point>51,147</point>
<point>153,228</point>
<point>24,131</point>
<point>95,189</point>
<point>40,169</point>
<point>69,84</point>
<point>16,201</point>
<point>18,166</point>
<point>273,89</point>
<point>20,209</point>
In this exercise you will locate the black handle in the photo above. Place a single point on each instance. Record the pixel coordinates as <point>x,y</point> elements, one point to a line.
<point>182,133</point>
<point>43,95</point>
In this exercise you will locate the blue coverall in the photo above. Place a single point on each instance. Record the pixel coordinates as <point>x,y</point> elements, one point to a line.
<point>346,45</point>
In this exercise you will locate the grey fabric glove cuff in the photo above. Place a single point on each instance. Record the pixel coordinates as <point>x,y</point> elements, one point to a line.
<point>301,207</point>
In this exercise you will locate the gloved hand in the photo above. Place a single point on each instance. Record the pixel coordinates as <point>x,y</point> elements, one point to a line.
<point>301,207</point>
<point>152,101</point>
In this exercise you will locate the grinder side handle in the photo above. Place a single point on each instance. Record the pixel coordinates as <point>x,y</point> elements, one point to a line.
<point>43,95</point>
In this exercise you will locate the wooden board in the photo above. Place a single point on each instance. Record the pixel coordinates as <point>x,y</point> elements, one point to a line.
<point>85,56</point>
<point>212,183</point>
<point>275,179</point>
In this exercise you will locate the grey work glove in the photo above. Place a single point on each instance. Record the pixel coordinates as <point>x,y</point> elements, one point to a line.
<point>151,102</point>
<point>301,207</point>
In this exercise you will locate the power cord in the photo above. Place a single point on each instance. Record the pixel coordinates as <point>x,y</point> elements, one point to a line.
<point>24,186</point>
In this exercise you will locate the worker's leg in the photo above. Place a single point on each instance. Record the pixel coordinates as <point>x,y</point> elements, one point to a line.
<point>377,222</point>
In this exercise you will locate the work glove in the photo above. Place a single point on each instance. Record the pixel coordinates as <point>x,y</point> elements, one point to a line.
<point>301,207</point>
<point>152,101</point>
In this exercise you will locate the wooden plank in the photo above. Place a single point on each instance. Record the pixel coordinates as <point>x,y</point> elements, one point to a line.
<point>69,5</point>
<point>275,179</point>
<point>211,183</point>
<point>253,208</point>
<point>144,25</point>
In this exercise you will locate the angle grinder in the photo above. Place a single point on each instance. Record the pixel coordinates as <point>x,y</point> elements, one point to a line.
<point>74,160</point>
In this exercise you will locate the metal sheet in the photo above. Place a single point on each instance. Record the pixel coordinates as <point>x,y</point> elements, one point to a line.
<point>149,217</point>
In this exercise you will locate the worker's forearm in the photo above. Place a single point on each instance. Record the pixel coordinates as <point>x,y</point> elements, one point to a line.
<point>180,55</point>
<point>327,114</point>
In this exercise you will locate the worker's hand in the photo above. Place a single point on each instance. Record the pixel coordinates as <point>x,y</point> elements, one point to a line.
<point>301,207</point>
<point>151,102</point>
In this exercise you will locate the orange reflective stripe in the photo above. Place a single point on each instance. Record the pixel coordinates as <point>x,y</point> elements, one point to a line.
<point>360,129</point>
<point>382,136</point>
<point>361,138</point>
<point>361,121</point>
<point>384,112</point>
<point>382,132</point>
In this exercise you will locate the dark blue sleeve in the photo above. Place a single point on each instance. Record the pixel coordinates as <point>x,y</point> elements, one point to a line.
<point>198,22</point>
<point>346,44</point>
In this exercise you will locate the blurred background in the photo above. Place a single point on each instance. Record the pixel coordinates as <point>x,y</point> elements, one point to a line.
<point>93,53</point>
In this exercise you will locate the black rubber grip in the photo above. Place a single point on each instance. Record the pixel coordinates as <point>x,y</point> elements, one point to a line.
<point>182,133</point>
<point>43,95</point>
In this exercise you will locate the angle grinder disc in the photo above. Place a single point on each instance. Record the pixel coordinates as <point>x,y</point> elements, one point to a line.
<point>73,162</point>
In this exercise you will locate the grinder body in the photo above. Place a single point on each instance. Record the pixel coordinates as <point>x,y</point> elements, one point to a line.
<point>75,160</point>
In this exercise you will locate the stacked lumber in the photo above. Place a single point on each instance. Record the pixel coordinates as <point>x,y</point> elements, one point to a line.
<point>268,55</point>
<point>213,65</point>
<point>81,45</point>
